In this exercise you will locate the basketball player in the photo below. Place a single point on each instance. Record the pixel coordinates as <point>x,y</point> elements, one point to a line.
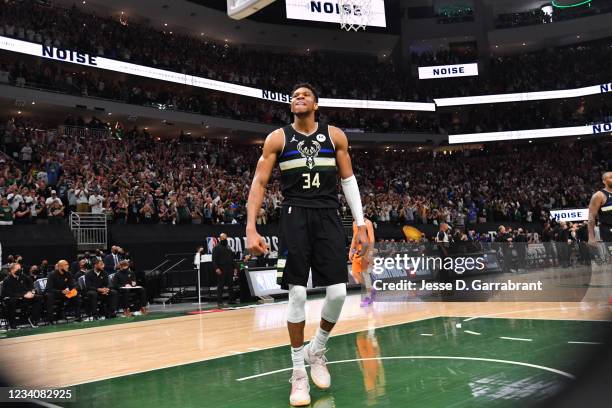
<point>360,264</point>
<point>310,155</point>
<point>601,207</point>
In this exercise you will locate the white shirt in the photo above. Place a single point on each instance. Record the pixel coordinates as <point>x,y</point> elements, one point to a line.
<point>96,202</point>
<point>81,196</point>
<point>14,200</point>
<point>49,201</point>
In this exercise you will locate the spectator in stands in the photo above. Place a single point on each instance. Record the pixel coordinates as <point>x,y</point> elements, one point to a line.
<point>62,290</point>
<point>56,212</point>
<point>96,202</point>
<point>125,284</point>
<point>22,214</point>
<point>82,198</point>
<point>100,289</point>
<point>6,213</point>
<point>51,200</point>
<point>111,261</point>
<point>18,291</point>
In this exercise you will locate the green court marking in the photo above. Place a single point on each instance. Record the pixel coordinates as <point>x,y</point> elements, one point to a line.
<point>394,367</point>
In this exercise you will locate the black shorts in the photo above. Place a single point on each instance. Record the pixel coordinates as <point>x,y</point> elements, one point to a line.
<point>311,239</point>
<point>605,232</point>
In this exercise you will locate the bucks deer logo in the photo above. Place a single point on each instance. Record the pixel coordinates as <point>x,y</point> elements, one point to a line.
<point>309,152</point>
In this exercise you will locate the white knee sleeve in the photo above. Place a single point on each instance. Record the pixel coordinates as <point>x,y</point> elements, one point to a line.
<point>334,299</point>
<point>297,300</point>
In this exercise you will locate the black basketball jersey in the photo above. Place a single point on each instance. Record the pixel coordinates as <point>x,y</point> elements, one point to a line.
<point>605,212</point>
<point>308,169</point>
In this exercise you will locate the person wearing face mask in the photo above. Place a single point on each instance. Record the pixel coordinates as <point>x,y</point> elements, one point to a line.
<point>125,284</point>
<point>225,268</point>
<point>18,289</point>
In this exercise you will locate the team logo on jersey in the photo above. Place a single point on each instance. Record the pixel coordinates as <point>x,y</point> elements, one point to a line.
<point>293,139</point>
<point>309,152</point>
<point>321,137</point>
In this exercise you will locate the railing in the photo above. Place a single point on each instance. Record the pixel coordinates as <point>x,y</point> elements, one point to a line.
<point>90,230</point>
<point>85,132</point>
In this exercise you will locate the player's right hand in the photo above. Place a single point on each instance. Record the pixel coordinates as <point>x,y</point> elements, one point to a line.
<point>362,240</point>
<point>256,245</point>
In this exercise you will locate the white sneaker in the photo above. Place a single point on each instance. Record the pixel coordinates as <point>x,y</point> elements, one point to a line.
<point>318,367</point>
<point>300,390</point>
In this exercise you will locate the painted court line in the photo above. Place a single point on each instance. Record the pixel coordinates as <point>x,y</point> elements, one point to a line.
<point>472,332</point>
<point>491,360</point>
<point>426,334</point>
<point>519,311</point>
<point>515,338</point>
<point>584,342</point>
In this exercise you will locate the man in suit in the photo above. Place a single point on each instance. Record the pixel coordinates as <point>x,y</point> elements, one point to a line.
<point>98,288</point>
<point>60,283</point>
<point>18,289</point>
<point>111,261</point>
<point>125,283</point>
<point>225,268</point>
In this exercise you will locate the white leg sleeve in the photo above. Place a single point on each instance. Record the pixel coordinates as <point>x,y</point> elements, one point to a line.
<point>297,301</point>
<point>334,299</point>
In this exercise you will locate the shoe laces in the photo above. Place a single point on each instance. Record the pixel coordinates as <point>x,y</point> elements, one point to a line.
<point>319,357</point>
<point>297,379</point>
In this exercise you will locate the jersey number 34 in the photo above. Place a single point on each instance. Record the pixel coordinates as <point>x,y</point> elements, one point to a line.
<point>311,181</point>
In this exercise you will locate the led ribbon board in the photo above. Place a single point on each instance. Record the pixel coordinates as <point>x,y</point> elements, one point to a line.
<point>525,96</point>
<point>75,57</point>
<point>448,71</point>
<point>530,134</point>
<point>579,214</point>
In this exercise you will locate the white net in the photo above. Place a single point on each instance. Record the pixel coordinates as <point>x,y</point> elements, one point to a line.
<point>354,14</point>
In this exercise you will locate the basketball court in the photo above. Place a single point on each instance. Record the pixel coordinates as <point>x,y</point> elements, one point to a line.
<point>434,354</point>
<point>392,354</point>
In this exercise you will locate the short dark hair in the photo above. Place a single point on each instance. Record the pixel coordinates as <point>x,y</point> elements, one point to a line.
<point>306,85</point>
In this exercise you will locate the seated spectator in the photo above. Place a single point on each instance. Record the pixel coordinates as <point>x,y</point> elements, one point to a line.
<point>125,283</point>
<point>62,290</point>
<point>18,291</point>
<point>99,289</point>
<point>82,269</point>
<point>34,273</point>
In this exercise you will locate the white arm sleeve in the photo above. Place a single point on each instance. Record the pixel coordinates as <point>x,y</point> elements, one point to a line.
<point>351,192</point>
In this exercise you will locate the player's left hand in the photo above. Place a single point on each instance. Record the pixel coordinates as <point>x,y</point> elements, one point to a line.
<point>362,239</point>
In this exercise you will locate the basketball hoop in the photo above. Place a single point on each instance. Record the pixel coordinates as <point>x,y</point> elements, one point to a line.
<point>354,14</point>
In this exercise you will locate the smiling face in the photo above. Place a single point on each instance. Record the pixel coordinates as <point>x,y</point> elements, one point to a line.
<point>303,102</point>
